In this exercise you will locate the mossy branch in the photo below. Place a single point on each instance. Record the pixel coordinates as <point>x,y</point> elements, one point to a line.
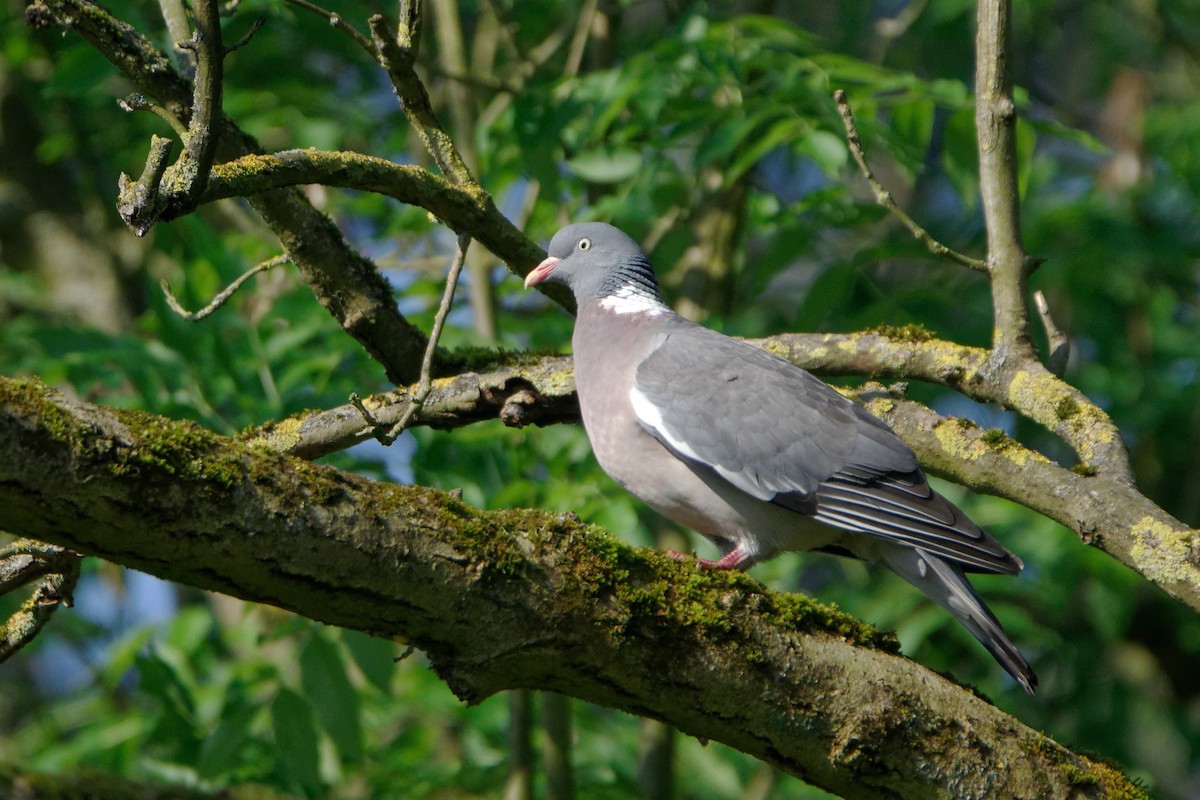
<point>517,599</point>
<point>1106,512</point>
<point>463,208</point>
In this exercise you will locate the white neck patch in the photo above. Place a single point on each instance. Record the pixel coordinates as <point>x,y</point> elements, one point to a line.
<point>631,299</point>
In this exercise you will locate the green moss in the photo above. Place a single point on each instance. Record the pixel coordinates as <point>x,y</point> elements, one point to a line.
<point>484,359</point>
<point>994,437</point>
<point>1066,408</point>
<point>1084,770</point>
<point>1079,776</point>
<point>903,333</point>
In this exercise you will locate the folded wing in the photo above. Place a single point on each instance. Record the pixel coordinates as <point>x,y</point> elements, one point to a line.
<point>781,435</point>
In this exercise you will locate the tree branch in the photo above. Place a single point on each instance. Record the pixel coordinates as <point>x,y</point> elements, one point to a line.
<point>996,124</point>
<point>397,55</point>
<point>519,599</point>
<point>463,208</point>
<point>1105,512</point>
<point>180,186</point>
<point>52,570</point>
<point>346,284</point>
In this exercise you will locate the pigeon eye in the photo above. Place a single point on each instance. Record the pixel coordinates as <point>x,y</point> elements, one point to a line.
<point>585,243</point>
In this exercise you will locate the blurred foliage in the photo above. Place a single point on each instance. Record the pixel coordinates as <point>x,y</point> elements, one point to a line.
<point>674,108</point>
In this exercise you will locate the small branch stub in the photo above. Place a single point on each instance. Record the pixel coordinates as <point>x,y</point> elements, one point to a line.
<point>53,571</point>
<point>1058,345</point>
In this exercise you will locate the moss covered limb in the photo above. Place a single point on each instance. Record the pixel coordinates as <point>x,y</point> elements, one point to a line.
<point>515,599</point>
<point>88,784</point>
<point>465,208</point>
<point>1106,511</point>
<point>525,391</point>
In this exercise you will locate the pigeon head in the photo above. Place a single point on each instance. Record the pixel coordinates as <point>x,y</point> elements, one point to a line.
<point>595,260</point>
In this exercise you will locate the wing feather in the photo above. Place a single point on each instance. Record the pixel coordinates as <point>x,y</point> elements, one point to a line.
<point>781,435</point>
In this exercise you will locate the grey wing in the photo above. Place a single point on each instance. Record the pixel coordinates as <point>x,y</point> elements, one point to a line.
<point>781,435</point>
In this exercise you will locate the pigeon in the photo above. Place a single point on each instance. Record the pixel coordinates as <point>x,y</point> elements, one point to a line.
<point>752,452</point>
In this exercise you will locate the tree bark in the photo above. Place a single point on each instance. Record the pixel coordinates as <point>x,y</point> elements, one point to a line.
<point>519,599</point>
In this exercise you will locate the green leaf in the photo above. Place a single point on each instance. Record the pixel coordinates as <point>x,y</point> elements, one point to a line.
<point>295,732</point>
<point>779,132</point>
<point>376,657</point>
<point>826,149</point>
<point>912,121</point>
<point>960,156</point>
<point>1026,142</point>
<point>323,675</point>
<point>604,165</point>
<point>221,750</point>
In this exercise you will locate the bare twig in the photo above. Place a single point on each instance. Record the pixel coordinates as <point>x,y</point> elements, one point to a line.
<point>425,384</point>
<point>139,102</point>
<point>1058,345</point>
<point>197,158</point>
<point>139,204</point>
<point>255,27</point>
<point>580,38</point>
<point>995,127</point>
<point>884,197</point>
<point>182,184</point>
<point>416,401</point>
<point>176,18</point>
<point>224,295</point>
<point>397,55</point>
<point>336,21</point>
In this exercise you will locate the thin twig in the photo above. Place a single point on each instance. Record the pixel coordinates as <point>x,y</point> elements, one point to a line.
<point>196,160</point>
<point>397,55</point>
<point>245,40</point>
<point>425,385</point>
<point>336,21</point>
<point>884,197</point>
<point>176,19</point>
<point>580,39</point>
<point>1058,345</point>
<point>225,294</point>
<point>139,102</point>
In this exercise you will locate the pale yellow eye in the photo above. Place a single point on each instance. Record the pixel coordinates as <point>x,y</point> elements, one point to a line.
<point>585,243</point>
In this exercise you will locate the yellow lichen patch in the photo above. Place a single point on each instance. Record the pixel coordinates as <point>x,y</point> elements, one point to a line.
<point>954,437</point>
<point>1164,554</point>
<point>1047,399</point>
<point>953,440</point>
<point>283,436</point>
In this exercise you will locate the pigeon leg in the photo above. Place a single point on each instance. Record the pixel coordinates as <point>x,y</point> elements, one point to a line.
<point>736,558</point>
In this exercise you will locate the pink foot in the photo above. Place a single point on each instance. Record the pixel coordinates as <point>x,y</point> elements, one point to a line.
<point>734,559</point>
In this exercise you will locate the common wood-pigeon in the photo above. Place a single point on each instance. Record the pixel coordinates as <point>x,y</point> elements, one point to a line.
<point>751,451</point>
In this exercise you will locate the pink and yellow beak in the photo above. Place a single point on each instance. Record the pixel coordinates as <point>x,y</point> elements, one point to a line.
<point>541,271</point>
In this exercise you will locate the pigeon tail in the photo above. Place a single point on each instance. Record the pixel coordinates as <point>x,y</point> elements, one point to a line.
<point>946,584</point>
